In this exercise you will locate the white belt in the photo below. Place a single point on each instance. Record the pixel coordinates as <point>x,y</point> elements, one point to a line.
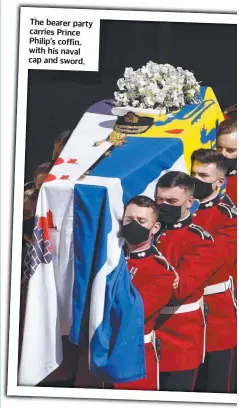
<point>218,288</point>
<point>194,306</point>
<point>148,338</point>
<point>175,309</point>
<point>180,309</point>
<point>221,288</point>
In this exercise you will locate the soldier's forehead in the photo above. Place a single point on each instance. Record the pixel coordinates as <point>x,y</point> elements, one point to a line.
<point>171,192</point>
<point>209,167</point>
<point>228,140</point>
<point>134,209</point>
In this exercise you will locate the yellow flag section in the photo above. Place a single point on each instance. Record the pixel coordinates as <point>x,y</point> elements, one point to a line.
<point>194,124</point>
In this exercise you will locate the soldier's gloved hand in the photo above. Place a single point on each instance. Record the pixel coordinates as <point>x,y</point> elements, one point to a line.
<point>162,260</point>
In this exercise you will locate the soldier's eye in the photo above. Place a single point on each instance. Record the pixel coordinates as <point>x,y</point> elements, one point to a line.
<point>142,221</point>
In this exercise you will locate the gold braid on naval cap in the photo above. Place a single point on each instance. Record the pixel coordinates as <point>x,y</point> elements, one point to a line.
<point>133,124</point>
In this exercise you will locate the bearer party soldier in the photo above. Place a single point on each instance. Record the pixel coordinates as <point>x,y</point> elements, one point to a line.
<point>218,215</point>
<point>226,143</point>
<point>152,278</point>
<point>191,251</point>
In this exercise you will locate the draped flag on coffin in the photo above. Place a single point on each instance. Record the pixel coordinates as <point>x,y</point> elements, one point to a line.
<point>96,264</point>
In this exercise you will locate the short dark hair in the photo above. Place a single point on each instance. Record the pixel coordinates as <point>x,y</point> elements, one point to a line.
<point>227,126</point>
<point>176,179</point>
<point>143,201</point>
<point>43,168</point>
<point>210,156</point>
<point>63,137</point>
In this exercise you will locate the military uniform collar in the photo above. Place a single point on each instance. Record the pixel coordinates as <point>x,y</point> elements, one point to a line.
<point>141,253</point>
<point>207,204</point>
<point>180,223</point>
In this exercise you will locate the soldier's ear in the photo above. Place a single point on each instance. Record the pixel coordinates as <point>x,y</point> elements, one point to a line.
<point>156,228</point>
<point>190,202</point>
<point>220,181</point>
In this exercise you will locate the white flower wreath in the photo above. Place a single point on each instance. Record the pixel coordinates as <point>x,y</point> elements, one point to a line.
<point>157,86</point>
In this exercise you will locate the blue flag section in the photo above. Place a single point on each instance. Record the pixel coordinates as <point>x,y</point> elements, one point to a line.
<point>88,220</point>
<point>139,162</point>
<point>115,308</point>
<point>117,346</point>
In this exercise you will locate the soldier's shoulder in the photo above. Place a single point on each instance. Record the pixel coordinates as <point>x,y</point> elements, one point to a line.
<point>200,232</point>
<point>227,207</point>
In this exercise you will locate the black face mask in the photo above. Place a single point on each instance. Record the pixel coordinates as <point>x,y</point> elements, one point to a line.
<point>134,233</point>
<point>202,189</point>
<point>231,165</point>
<point>168,214</point>
<point>28,226</point>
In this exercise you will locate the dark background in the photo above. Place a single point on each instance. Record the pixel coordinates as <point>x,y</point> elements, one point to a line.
<point>58,99</point>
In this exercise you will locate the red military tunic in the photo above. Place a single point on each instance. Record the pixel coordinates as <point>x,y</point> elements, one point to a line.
<point>191,251</point>
<point>231,187</point>
<point>219,218</point>
<point>155,285</point>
